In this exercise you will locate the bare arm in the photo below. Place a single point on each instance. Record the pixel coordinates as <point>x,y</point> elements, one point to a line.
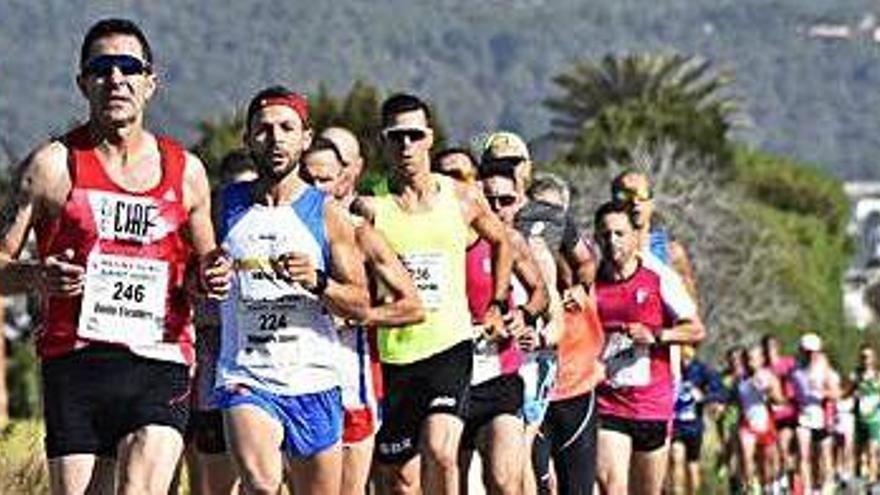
<point>529,274</point>
<point>346,294</point>
<point>214,269</point>
<point>40,182</point>
<point>405,307</point>
<point>688,331</point>
<point>481,218</point>
<point>682,264</point>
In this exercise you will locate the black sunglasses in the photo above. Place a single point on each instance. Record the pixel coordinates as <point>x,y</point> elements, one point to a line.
<point>501,200</point>
<point>102,65</point>
<point>398,135</point>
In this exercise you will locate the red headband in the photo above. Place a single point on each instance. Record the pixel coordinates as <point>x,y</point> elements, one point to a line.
<point>293,101</point>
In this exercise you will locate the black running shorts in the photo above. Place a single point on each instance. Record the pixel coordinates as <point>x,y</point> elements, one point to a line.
<point>646,435</point>
<point>436,384</point>
<point>487,400</point>
<point>95,396</point>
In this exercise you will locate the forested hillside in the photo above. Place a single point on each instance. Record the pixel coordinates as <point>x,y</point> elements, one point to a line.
<point>485,64</point>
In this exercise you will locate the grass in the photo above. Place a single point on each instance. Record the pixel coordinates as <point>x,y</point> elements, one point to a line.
<point>22,461</point>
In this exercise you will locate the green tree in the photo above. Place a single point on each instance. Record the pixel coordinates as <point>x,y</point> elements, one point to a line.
<point>217,137</point>
<point>608,107</point>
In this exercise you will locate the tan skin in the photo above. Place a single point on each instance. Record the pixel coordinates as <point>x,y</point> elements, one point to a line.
<point>277,137</point>
<point>130,157</point>
<point>414,190</point>
<point>619,468</point>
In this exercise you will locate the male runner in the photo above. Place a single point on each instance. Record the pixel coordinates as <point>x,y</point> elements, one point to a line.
<point>785,413</point>
<point>427,367</point>
<point>493,424</point>
<point>295,259</point>
<point>352,161</point>
<point>867,394</point>
<point>507,151</point>
<point>118,213</point>
<point>644,307</point>
<point>815,385</point>
<point>323,167</point>
<point>700,386</point>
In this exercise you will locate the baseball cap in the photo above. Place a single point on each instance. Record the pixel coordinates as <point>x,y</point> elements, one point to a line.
<point>504,145</point>
<point>811,342</point>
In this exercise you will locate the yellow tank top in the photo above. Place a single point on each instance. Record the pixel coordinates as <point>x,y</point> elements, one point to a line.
<point>432,246</point>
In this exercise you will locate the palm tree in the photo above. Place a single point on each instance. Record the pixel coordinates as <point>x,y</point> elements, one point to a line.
<point>607,106</point>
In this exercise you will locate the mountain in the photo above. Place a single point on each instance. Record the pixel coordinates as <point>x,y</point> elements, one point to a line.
<point>485,64</point>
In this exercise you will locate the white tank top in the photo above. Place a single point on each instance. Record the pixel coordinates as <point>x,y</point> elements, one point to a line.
<point>276,336</point>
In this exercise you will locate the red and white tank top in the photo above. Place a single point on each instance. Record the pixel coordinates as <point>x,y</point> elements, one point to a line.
<point>135,254</point>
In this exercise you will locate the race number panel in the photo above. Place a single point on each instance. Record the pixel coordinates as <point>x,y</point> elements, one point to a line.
<point>124,299</point>
<point>627,364</point>
<point>428,272</point>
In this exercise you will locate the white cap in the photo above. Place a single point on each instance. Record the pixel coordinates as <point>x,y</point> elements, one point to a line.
<point>811,342</point>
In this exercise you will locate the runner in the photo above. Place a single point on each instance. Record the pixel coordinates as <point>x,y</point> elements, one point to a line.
<point>844,426</point>
<point>118,214</point>
<point>700,386</point>
<point>506,151</point>
<point>322,163</point>
<point>295,258</point>
<point>815,384</point>
<point>757,431</point>
<point>352,161</point>
<point>427,367</point>
<point>867,393</point>
<point>729,417</point>
<point>785,413</point>
<point>493,424</point>
<point>644,307</point>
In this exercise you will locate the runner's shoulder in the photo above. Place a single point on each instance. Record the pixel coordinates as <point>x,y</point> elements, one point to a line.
<point>45,170</point>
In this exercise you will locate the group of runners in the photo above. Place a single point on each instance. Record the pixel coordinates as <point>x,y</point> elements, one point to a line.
<point>787,424</point>
<point>284,330</point>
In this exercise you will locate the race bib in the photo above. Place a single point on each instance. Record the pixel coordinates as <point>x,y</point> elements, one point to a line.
<point>868,405</point>
<point>626,364</point>
<point>758,418</point>
<point>487,361</point>
<point>429,276</point>
<point>271,332</point>
<point>124,300</point>
<point>812,416</point>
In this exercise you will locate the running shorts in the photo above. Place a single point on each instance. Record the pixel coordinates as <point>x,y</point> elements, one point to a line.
<point>95,396</point>
<point>436,384</point>
<point>312,423</point>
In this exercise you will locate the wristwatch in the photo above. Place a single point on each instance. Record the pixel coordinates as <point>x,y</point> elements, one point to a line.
<point>501,304</point>
<point>320,283</point>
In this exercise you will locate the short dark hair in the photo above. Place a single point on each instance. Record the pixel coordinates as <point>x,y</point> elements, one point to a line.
<point>236,162</point>
<point>401,103</point>
<point>110,27</point>
<point>612,207</point>
<point>323,144</point>
<point>273,92</point>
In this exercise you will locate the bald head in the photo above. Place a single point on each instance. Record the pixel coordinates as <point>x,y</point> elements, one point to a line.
<point>350,149</point>
<point>347,143</point>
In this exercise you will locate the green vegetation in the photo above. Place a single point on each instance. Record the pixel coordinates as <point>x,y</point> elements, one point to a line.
<point>608,106</point>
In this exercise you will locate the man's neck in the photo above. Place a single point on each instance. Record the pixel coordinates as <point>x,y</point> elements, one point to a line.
<point>416,187</point>
<point>116,141</point>
<point>277,192</point>
<point>626,270</point>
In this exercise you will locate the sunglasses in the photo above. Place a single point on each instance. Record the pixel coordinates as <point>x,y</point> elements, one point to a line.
<point>102,66</point>
<point>501,200</point>
<point>631,196</point>
<point>398,135</point>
